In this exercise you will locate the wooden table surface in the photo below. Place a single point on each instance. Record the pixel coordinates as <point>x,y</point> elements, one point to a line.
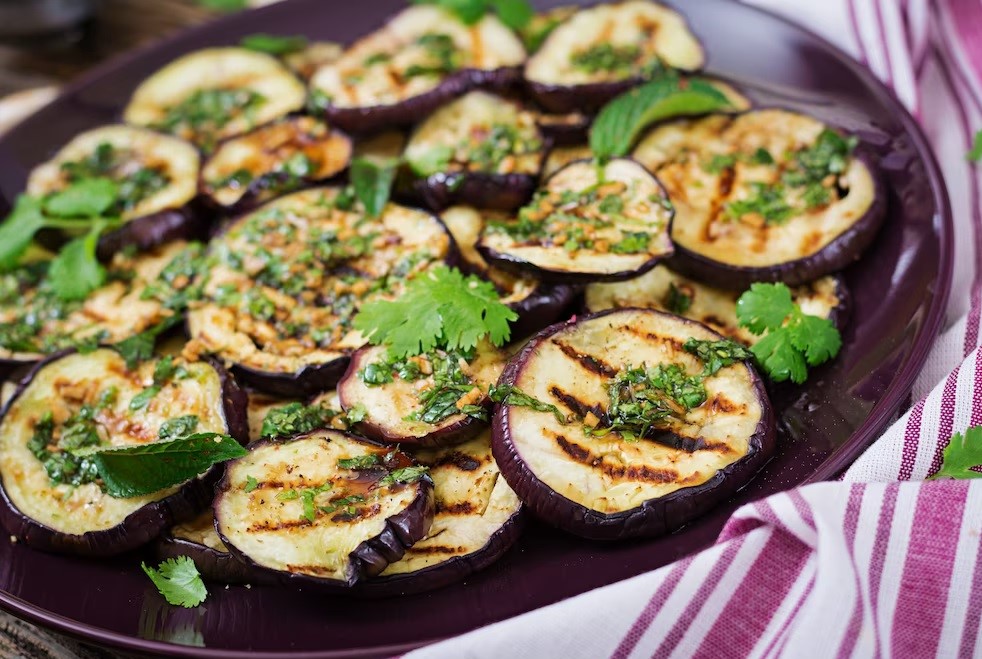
<point>118,25</point>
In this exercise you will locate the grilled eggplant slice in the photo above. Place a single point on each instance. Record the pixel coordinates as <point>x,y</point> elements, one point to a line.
<point>198,540</point>
<point>281,157</point>
<point>768,195</point>
<point>156,177</point>
<point>665,290</point>
<point>286,280</point>
<point>604,50</point>
<point>324,509</point>
<point>141,291</point>
<point>537,303</point>
<point>478,518</point>
<point>51,495</point>
<point>588,223</point>
<point>481,150</point>
<point>212,94</point>
<point>435,399</point>
<point>667,453</point>
<point>305,62</point>
<point>421,58</point>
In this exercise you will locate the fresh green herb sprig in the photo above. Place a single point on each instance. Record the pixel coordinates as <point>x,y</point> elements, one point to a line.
<point>621,121</point>
<point>793,341</point>
<point>372,183</point>
<point>962,457</point>
<point>179,581</point>
<point>507,394</point>
<point>514,13</point>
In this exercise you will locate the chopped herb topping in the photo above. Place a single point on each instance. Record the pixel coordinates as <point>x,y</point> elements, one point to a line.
<point>366,461</point>
<point>620,61</point>
<point>677,299</point>
<point>404,475</point>
<point>507,394</point>
<point>201,116</point>
<point>441,56</point>
<point>717,354</point>
<point>296,419</point>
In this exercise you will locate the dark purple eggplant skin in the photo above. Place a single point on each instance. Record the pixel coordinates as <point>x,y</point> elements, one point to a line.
<point>587,98</point>
<point>458,432</point>
<point>360,120</point>
<point>145,524</point>
<point>500,192</point>
<point>149,231</point>
<point>306,382</point>
<point>370,557</point>
<point>448,572</point>
<point>566,133</point>
<point>844,250</point>
<point>542,307</point>
<point>214,565</point>
<point>842,313</point>
<point>652,518</point>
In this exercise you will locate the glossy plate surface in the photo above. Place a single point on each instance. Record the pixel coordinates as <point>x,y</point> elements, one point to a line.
<point>899,293</point>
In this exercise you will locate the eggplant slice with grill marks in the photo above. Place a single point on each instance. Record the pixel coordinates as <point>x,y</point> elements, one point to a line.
<point>768,195</point>
<point>478,518</point>
<point>481,149</point>
<point>323,509</point>
<point>665,290</point>
<point>286,280</point>
<point>587,223</point>
<point>52,496</point>
<point>281,157</point>
<point>604,50</point>
<point>423,57</point>
<point>156,179</point>
<point>435,399</point>
<point>198,540</point>
<point>141,291</point>
<point>209,95</point>
<point>647,442</point>
<point>537,303</point>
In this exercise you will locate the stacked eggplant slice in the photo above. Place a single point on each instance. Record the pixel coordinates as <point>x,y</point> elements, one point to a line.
<point>278,322</point>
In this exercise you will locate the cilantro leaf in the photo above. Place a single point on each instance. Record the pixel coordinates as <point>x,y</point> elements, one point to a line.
<point>962,454</point>
<point>76,272</point>
<point>17,231</point>
<point>975,155</point>
<point>139,470</point>
<point>816,337</point>
<point>441,308</point>
<point>779,358</point>
<point>179,581</point>
<point>372,182</point>
<point>88,197</point>
<point>764,306</point>
<point>274,44</point>
<point>621,121</point>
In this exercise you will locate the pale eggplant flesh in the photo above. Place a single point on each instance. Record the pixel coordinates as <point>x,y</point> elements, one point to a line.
<point>481,149</point>
<point>51,495</point>
<point>156,179</point>
<point>212,94</point>
<point>305,62</point>
<point>286,280</point>
<point>604,50</point>
<point>665,290</point>
<point>250,169</point>
<point>478,518</point>
<point>421,58</point>
<point>588,222</point>
<point>141,292</point>
<point>439,398</point>
<point>537,303</point>
<point>301,513</point>
<point>768,195</point>
<point>580,475</point>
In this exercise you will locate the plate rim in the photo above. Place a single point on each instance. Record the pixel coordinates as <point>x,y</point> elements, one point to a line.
<point>882,414</point>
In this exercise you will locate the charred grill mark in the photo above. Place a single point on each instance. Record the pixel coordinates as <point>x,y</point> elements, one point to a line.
<point>722,404</point>
<point>575,451</point>
<point>640,473</point>
<point>578,407</point>
<point>317,570</point>
<point>811,242</point>
<point>459,461</point>
<point>272,525</point>
<point>651,337</point>
<point>588,362</point>
<point>436,549</point>
<point>724,188</point>
<point>457,508</point>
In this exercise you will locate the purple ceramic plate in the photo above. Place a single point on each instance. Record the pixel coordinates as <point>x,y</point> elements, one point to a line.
<point>899,294</point>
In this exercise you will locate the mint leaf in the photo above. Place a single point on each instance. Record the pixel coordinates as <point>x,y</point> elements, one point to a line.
<point>17,231</point>
<point>140,470</point>
<point>963,456</point>
<point>89,197</point>
<point>516,14</point>
<point>179,581</point>
<point>621,121</point>
<point>76,272</point>
<point>764,306</point>
<point>372,183</point>
<point>274,44</point>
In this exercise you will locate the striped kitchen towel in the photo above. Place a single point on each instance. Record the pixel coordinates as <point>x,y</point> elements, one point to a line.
<point>868,567</point>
